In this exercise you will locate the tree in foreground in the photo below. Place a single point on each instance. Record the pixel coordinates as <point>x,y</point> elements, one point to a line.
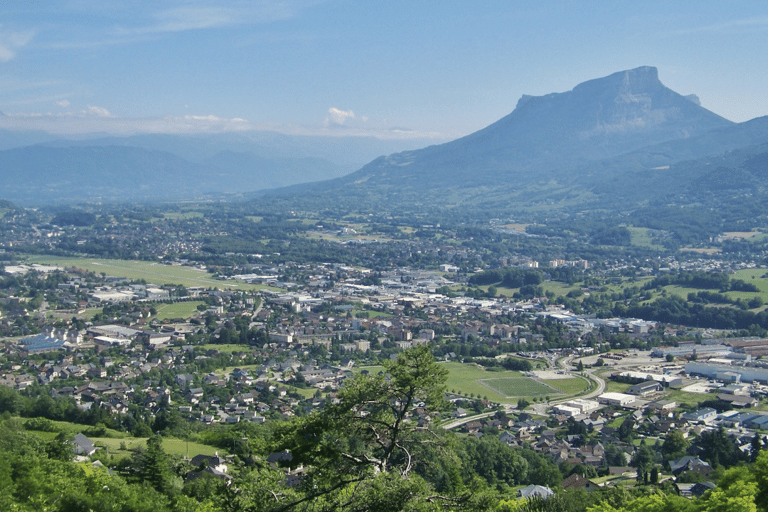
<point>361,450</point>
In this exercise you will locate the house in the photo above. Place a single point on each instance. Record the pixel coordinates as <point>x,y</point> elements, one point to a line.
<point>213,461</point>
<point>576,481</point>
<point>83,445</point>
<point>700,488</point>
<point>209,470</point>
<point>689,463</point>
<point>534,491</point>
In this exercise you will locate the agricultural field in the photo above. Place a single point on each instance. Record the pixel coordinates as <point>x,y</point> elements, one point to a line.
<point>151,272</point>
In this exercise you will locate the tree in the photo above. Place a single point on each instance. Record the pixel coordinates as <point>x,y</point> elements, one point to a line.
<point>155,466</point>
<point>368,433</point>
<point>674,445</point>
<point>60,448</point>
<point>719,449</point>
<point>495,461</point>
<point>756,447</point>
<point>644,460</point>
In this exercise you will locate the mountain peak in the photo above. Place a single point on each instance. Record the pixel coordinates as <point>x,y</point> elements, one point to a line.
<point>599,118</point>
<point>640,78</point>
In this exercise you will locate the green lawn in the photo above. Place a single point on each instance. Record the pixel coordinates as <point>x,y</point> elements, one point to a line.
<point>114,440</point>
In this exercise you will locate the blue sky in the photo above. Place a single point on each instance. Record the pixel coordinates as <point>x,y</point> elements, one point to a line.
<point>394,69</point>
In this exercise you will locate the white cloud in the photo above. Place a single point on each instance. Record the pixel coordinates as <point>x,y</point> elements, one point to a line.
<point>11,42</point>
<point>98,111</point>
<point>338,117</point>
<point>62,103</point>
<point>209,117</point>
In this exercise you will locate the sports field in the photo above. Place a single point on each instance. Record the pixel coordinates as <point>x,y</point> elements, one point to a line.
<point>519,387</point>
<point>507,386</point>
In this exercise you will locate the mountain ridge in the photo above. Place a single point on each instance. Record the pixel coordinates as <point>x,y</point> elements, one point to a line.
<point>562,150</point>
<point>586,123</point>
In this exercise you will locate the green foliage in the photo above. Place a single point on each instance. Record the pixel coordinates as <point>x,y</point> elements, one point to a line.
<point>674,445</point>
<point>507,277</point>
<point>370,431</point>
<point>155,467</point>
<point>74,218</point>
<point>496,462</point>
<point>618,235</point>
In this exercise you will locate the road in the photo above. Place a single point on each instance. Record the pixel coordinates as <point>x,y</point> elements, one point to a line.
<point>461,421</point>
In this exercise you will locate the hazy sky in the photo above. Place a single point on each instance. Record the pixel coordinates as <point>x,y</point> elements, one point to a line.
<point>390,68</point>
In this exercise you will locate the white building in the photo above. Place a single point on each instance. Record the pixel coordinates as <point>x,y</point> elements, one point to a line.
<point>619,399</point>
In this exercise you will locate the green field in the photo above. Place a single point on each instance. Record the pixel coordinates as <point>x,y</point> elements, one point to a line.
<point>507,386</point>
<point>177,309</point>
<point>172,446</point>
<point>151,272</point>
<point>120,443</point>
<point>754,276</point>
<point>183,215</point>
<point>641,238</point>
<point>516,387</point>
<point>570,386</point>
<point>503,387</point>
<point>683,292</point>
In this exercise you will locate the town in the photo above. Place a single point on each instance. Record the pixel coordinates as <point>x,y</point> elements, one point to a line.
<point>275,348</point>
